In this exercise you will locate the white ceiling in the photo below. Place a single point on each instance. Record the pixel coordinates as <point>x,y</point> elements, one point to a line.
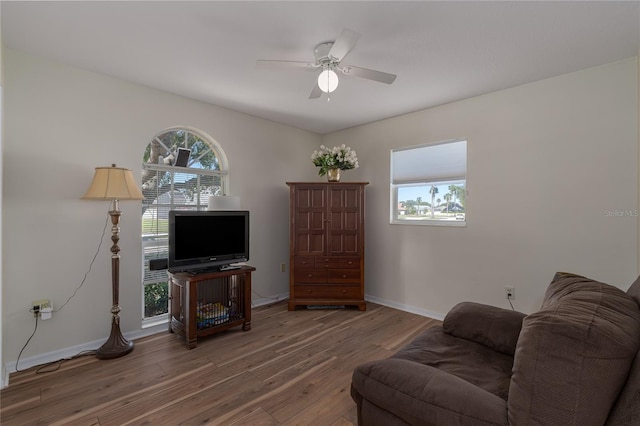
<point>441,51</point>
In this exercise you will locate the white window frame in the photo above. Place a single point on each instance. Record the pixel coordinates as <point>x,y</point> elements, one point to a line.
<point>201,202</point>
<point>420,168</point>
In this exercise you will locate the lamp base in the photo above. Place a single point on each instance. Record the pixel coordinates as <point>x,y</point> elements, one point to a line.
<point>116,345</point>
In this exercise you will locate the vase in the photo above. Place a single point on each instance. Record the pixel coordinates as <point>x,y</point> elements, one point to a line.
<point>333,175</point>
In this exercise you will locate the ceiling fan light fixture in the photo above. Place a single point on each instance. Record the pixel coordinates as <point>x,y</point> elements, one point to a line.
<point>328,81</point>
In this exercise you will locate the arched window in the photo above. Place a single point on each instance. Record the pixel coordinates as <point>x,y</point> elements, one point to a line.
<point>181,168</point>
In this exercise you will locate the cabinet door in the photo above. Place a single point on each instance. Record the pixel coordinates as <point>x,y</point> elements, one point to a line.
<point>309,218</point>
<point>345,220</point>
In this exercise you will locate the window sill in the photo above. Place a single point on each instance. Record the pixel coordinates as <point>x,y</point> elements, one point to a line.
<point>155,321</point>
<point>427,222</point>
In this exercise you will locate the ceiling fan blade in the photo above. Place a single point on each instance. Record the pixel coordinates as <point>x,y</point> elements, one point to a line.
<point>379,76</point>
<point>343,44</point>
<point>315,92</point>
<point>264,64</point>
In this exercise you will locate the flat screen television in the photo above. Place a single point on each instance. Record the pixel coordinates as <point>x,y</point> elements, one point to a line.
<point>201,240</point>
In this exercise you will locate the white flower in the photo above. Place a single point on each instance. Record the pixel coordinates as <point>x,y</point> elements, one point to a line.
<point>340,157</point>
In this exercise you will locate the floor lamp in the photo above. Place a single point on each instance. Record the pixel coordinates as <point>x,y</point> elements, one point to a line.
<point>114,184</point>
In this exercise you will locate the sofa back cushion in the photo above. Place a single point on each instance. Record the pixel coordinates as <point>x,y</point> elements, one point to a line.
<point>626,410</point>
<point>574,355</point>
<point>490,326</point>
<point>634,291</point>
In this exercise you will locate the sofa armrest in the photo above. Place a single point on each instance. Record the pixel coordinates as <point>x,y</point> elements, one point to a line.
<point>423,395</point>
<point>491,326</point>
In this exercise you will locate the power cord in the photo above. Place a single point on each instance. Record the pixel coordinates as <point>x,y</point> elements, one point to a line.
<point>509,299</point>
<point>104,230</point>
<point>25,345</point>
<point>275,299</point>
<point>41,370</point>
<point>80,354</point>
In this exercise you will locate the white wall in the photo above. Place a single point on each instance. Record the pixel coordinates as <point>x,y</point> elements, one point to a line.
<point>545,163</point>
<point>62,122</point>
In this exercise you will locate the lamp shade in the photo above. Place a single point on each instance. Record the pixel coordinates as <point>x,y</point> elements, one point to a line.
<point>113,183</point>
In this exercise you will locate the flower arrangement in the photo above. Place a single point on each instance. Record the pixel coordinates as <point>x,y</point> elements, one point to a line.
<point>338,157</point>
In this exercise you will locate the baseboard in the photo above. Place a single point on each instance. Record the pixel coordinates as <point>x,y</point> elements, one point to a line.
<point>269,300</point>
<point>406,308</point>
<point>4,380</point>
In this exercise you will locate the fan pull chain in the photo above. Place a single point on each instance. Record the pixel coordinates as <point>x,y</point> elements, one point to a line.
<point>328,96</point>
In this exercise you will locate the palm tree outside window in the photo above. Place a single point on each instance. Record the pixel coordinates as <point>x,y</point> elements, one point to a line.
<point>434,172</point>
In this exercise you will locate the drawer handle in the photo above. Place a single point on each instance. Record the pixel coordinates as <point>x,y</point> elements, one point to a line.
<point>310,275</point>
<point>350,262</point>
<point>309,291</point>
<point>343,291</point>
<point>344,276</point>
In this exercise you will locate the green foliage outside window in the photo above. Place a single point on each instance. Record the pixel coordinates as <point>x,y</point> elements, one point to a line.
<point>156,299</point>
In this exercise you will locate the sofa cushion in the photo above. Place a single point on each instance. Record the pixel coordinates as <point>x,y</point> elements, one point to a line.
<point>419,394</point>
<point>573,356</point>
<point>626,410</point>
<point>472,362</point>
<point>372,415</point>
<point>634,291</point>
<point>491,326</point>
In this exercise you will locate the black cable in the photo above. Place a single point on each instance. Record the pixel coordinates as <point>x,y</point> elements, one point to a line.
<point>84,353</point>
<point>60,361</point>
<point>509,299</point>
<point>104,230</point>
<point>276,298</point>
<point>28,340</point>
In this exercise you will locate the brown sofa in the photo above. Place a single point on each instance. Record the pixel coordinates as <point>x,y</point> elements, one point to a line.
<point>574,362</point>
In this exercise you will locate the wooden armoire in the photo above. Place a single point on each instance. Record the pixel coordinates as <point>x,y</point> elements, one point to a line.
<point>326,244</point>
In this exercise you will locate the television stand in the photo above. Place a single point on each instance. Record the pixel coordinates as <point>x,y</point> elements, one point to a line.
<point>208,302</point>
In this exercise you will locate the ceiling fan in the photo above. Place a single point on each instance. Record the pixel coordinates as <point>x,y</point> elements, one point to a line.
<point>329,58</point>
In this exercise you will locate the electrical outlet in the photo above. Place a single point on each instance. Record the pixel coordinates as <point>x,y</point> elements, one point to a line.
<point>41,304</point>
<point>43,308</point>
<point>283,267</point>
<point>510,293</point>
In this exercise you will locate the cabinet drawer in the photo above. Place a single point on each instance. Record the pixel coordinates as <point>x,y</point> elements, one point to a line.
<point>326,292</point>
<point>304,262</point>
<point>326,262</point>
<point>310,276</point>
<point>344,276</point>
<point>349,263</point>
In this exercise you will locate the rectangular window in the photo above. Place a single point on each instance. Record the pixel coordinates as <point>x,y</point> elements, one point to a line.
<point>429,184</point>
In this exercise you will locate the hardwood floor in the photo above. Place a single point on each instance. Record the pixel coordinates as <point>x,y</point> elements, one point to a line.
<point>291,368</point>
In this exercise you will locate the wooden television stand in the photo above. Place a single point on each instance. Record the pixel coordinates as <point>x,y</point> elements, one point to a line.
<point>209,302</point>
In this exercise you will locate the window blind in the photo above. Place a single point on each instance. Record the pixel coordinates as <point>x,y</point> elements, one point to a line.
<point>171,188</point>
<point>429,163</point>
